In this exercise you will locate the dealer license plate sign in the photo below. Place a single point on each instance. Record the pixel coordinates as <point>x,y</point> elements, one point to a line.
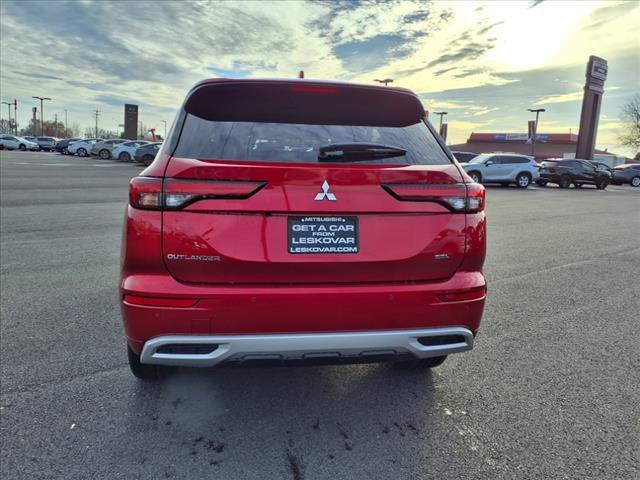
<point>322,234</point>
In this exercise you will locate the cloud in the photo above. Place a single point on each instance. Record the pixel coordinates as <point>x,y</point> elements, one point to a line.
<point>41,76</point>
<point>568,97</point>
<point>565,97</point>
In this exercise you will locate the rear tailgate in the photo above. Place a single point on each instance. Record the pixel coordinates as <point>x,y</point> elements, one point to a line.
<point>264,214</point>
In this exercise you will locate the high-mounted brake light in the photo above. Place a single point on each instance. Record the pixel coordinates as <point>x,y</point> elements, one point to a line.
<point>312,89</point>
<point>457,197</point>
<point>148,193</point>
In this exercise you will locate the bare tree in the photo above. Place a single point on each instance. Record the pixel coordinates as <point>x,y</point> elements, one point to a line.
<point>630,136</point>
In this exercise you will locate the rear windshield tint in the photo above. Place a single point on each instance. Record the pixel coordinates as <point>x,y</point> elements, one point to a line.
<point>290,121</point>
<point>299,143</point>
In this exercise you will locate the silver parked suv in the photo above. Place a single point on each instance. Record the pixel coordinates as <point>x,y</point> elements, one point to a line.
<point>504,168</point>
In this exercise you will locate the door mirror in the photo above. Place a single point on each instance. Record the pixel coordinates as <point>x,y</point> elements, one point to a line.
<point>489,162</point>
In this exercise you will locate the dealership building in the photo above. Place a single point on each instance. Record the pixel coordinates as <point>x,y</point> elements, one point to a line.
<point>548,145</point>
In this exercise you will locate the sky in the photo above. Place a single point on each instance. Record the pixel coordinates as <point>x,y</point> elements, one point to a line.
<point>484,62</point>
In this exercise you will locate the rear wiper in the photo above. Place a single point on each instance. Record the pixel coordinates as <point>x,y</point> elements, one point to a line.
<point>355,152</point>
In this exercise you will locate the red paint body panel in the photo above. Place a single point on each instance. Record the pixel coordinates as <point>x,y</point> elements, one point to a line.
<point>297,309</point>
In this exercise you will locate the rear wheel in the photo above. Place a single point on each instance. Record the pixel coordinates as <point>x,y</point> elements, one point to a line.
<point>65,151</point>
<point>147,159</point>
<point>141,370</point>
<point>82,152</point>
<point>420,363</point>
<point>565,181</point>
<point>22,147</point>
<point>104,154</point>
<point>523,180</point>
<point>635,182</point>
<point>124,157</point>
<point>602,183</point>
<point>475,176</point>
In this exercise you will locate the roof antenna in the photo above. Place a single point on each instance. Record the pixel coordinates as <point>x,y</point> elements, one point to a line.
<point>301,74</point>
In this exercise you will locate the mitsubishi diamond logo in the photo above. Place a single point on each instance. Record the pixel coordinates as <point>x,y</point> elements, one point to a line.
<point>325,193</point>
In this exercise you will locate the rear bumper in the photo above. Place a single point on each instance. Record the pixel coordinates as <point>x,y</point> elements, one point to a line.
<point>221,311</point>
<point>305,348</point>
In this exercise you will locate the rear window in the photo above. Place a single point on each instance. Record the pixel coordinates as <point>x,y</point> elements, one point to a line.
<point>292,142</point>
<point>290,122</point>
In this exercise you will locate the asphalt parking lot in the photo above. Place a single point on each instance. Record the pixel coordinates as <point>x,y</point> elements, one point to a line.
<point>551,390</point>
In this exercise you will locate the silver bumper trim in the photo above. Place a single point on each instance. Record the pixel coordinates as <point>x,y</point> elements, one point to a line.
<point>292,346</point>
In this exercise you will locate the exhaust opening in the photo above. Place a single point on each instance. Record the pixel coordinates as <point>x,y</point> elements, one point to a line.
<point>441,340</point>
<point>187,348</point>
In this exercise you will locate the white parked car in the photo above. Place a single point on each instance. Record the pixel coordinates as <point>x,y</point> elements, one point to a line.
<point>125,151</point>
<point>82,147</point>
<point>503,168</point>
<point>11,142</point>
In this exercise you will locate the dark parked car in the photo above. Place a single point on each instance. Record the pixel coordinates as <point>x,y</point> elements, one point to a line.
<point>464,157</point>
<point>629,173</point>
<point>147,153</point>
<point>576,172</point>
<point>46,143</point>
<point>63,145</point>
<point>601,166</point>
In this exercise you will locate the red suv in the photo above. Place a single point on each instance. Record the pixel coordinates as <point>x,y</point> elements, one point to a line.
<point>301,222</point>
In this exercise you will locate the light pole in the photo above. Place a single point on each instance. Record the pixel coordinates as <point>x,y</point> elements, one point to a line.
<point>8,104</point>
<point>96,113</point>
<point>15,116</point>
<point>165,129</point>
<point>442,114</point>
<point>65,123</point>
<point>386,81</point>
<point>42,99</point>
<point>535,130</point>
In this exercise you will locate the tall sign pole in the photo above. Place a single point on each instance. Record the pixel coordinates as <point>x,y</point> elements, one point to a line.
<point>596,75</point>
<point>15,116</point>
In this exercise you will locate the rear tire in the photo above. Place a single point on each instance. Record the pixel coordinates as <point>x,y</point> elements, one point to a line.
<point>124,157</point>
<point>147,160</point>
<point>141,370</point>
<point>420,363</point>
<point>475,176</point>
<point>635,182</point>
<point>65,151</point>
<point>22,147</point>
<point>565,181</point>
<point>104,154</point>
<point>82,152</point>
<point>523,180</point>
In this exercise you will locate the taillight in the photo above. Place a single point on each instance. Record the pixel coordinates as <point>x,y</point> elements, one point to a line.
<point>475,198</point>
<point>457,197</point>
<point>145,193</point>
<point>160,302</point>
<point>475,293</point>
<point>148,193</point>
